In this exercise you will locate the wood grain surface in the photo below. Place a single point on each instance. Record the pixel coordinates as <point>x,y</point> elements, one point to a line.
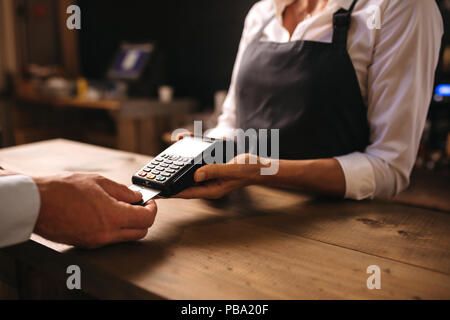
<point>258,243</point>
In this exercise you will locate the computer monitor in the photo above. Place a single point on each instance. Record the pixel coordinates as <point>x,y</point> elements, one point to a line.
<point>130,62</point>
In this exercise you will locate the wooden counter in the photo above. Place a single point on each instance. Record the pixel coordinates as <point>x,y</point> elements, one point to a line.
<point>258,243</point>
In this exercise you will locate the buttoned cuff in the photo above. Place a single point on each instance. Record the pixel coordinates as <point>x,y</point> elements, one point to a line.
<point>359,176</point>
<point>19,209</point>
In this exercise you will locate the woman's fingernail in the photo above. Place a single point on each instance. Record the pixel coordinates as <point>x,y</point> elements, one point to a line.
<point>200,176</point>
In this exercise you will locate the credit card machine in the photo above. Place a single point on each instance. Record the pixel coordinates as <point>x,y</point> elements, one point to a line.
<point>173,170</point>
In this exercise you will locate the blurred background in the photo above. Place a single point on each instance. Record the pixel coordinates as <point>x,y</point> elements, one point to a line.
<point>139,69</point>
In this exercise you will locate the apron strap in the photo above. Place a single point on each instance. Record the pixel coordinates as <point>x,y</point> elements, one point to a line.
<point>341,24</point>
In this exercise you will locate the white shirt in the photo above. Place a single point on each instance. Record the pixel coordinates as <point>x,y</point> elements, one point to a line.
<point>19,209</point>
<point>395,66</point>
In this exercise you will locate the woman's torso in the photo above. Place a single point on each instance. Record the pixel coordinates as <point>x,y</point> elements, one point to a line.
<point>306,90</point>
<point>361,37</point>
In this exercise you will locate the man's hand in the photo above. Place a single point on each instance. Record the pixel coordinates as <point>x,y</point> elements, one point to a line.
<point>90,211</point>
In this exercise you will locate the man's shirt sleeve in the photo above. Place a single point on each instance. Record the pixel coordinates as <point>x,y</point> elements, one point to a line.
<point>19,209</point>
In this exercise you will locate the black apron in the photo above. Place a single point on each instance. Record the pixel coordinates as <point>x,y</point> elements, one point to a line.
<point>308,90</point>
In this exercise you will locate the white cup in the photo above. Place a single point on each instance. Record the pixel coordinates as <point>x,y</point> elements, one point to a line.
<point>165,94</point>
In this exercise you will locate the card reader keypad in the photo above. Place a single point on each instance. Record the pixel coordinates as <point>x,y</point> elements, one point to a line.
<point>163,167</point>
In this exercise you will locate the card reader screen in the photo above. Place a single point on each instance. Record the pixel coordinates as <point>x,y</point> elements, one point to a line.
<point>188,147</point>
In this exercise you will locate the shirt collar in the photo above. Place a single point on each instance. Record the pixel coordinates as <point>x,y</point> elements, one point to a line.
<point>280,5</point>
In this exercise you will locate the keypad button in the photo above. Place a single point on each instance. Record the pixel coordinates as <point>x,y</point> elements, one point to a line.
<point>151,176</point>
<point>151,166</point>
<point>156,171</point>
<point>146,170</point>
<point>160,168</point>
<point>165,174</point>
<point>154,163</point>
<point>163,156</point>
<point>170,171</point>
<point>186,160</point>
<point>161,179</point>
<point>174,157</point>
<point>142,174</point>
<point>177,163</point>
<point>174,167</point>
<point>158,160</point>
<point>168,161</point>
<point>164,165</point>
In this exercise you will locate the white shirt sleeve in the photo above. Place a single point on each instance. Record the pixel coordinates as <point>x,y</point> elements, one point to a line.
<point>400,87</point>
<point>19,209</point>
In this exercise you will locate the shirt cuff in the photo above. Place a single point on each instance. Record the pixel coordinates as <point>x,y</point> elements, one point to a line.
<point>20,205</point>
<point>359,176</point>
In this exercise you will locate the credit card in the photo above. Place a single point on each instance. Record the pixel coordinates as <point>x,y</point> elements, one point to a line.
<point>147,194</point>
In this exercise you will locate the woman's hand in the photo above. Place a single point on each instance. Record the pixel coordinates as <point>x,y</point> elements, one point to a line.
<point>190,134</point>
<point>184,134</point>
<point>217,180</point>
